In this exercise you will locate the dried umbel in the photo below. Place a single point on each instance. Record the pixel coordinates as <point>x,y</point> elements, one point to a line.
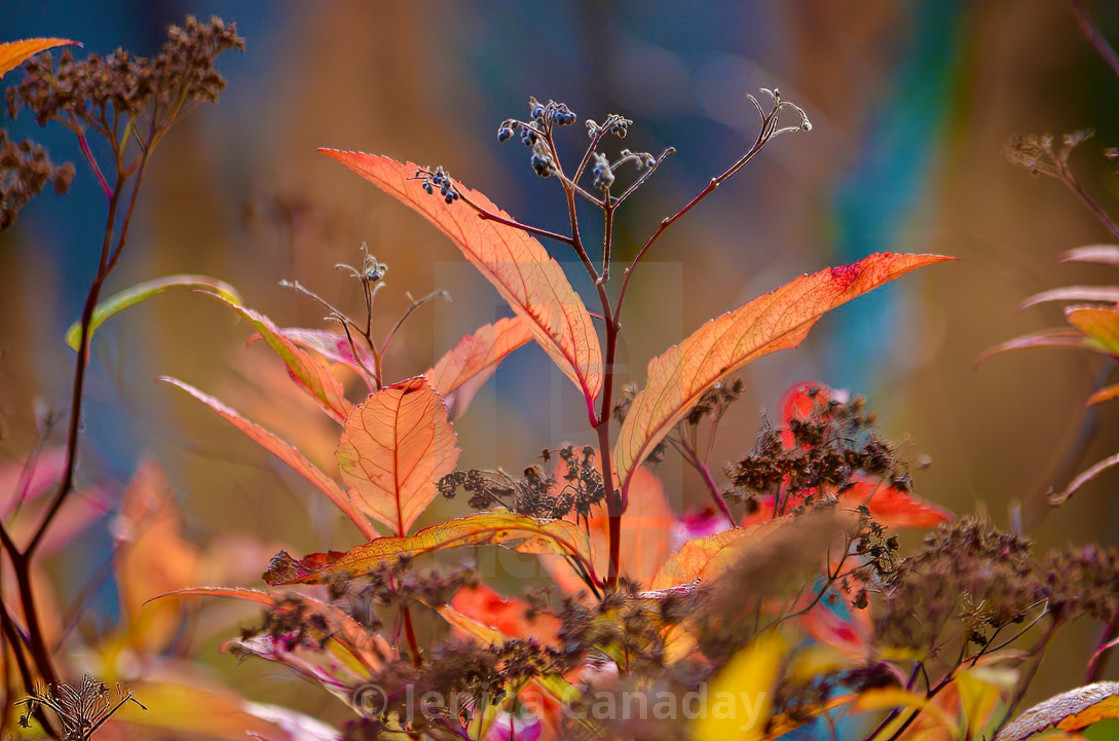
<point>25,169</point>
<point>97,90</point>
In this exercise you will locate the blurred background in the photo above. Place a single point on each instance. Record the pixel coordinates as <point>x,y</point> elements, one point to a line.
<point>911,104</point>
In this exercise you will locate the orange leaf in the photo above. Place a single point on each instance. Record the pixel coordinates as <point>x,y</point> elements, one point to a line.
<point>511,617</point>
<point>395,448</point>
<point>1068,711</point>
<point>287,453</point>
<point>891,506</point>
<point>705,558</point>
<point>1107,393</point>
<point>311,373</point>
<point>516,264</point>
<point>476,356</point>
<point>772,322</point>
<point>15,53</point>
<point>519,532</point>
<point>152,557</point>
<point>1100,324</point>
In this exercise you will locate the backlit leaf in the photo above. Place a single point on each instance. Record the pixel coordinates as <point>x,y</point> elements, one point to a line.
<point>142,292</point>
<point>704,559</point>
<point>1047,338</point>
<point>325,643</point>
<point>15,53</point>
<point>1103,254</point>
<point>287,453</point>
<point>1068,711</point>
<point>510,617</point>
<point>1084,478</point>
<point>395,448</point>
<point>311,373</point>
<point>740,699</point>
<point>519,532</point>
<point>476,356</point>
<point>1100,324</point>
<point>516,264</point>
<point>1105,394</point>
<point>152,557</point>
<point>775,321</point>
<point>335,348</point>
<point>1100,294</point>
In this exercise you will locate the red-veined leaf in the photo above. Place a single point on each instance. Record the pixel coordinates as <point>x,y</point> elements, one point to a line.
<point>1103,254</point>
<point>1098,294</point>
<point>1105,394</point>
<point>1099,324</point>
<point>476,357</point>
<point>285,452</point>
<point>15,53</point>
<point>335,348</point>
<point>1069,711</point>
<point>775,321</point>
<point>1067,338</point>
<point>519,532</point>
<point>1084,478</point>
<point>396,446</point>
<point>516,264</point>
<point>140,292</point>
<point>311,373</point>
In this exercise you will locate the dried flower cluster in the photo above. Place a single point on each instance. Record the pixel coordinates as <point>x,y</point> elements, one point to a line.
<point>97,90</point>
<point>25,169</point>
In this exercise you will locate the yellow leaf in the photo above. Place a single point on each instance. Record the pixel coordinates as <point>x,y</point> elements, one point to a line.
<point>519,532</point>
<point>741,697</point>
<point>15,53</point>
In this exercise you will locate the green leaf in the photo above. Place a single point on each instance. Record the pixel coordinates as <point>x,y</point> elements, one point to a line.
<point>142,292</point>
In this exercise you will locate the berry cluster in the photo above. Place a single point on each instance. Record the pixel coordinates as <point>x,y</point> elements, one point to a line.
<point>429,180</point>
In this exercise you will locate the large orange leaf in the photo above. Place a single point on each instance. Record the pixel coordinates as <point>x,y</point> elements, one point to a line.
<point>772,322</point>
<point>519,267</point>
<point>287,453</point>
<point>312,374</point>
<point>395,448</point>
<point>475,358</point>
<point>519,532</point>
<point>15,53</point>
